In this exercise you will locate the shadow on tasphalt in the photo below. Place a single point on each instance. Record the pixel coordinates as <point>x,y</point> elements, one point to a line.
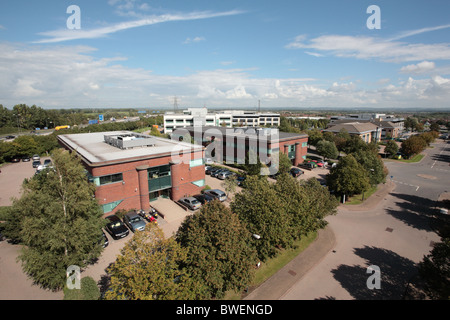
<point>396,271</point>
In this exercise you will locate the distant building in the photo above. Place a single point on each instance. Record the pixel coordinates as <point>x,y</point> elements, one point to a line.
<point>367,131</point>
<point>131,169</point>
<point>234,143</point>
<point>390,125</point>
<point>228,119</point>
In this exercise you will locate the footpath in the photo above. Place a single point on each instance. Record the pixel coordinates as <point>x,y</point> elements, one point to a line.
<point>277,285</point>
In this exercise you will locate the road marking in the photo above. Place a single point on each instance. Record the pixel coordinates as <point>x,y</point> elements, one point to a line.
<point>407,184</point>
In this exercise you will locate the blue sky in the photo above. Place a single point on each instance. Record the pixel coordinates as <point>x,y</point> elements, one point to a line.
<point>225,54</point>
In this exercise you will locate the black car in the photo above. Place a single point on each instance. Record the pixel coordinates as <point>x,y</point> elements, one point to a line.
<point>26,159</point>
<point>15,159</point>
<point>116,228</point>
<point>36,163</point>
<point>210,170</point>
<point>240,180</point>
<point>216,173</point>
<point>295,172</point>
<point>203,198</point>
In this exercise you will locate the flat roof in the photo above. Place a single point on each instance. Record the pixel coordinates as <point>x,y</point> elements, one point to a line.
<point>234,132</point>
<point>96,152</point>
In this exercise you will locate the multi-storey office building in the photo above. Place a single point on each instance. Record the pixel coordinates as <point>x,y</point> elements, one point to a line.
<point>231,145</point>
<point>200,116</point>
<point>130,169</point>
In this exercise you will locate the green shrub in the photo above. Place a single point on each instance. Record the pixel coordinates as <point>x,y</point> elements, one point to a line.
<point>89,291</point>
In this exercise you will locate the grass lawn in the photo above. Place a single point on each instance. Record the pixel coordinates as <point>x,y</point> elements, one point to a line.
<point>416,158</point>
<point>271,266</point>
<point>357,199</point>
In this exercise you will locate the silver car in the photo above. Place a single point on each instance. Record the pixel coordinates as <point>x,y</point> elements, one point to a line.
<point>191,203</point>
<point>217,194</point>
<point>134,221</point>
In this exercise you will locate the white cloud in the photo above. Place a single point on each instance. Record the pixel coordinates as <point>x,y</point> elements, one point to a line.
<point>66,34</point>
<point>418,31</point>
<point>194,40</point>
<point>422,67</point>
<point>363,47</point>
<point>71,77</point>
<point>314,54</point>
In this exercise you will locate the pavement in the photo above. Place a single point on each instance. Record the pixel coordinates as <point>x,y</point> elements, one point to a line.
<point>281,282</point>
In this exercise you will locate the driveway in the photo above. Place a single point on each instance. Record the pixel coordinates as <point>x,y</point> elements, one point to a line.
<point>394,235</point>
<point>11,179</point>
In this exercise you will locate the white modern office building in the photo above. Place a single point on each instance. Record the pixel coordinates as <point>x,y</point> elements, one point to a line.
<point>228,119</point>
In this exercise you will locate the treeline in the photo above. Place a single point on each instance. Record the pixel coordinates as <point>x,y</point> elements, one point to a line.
<point>28,145</point>
<point>24,117</point>
<point>301,125</point>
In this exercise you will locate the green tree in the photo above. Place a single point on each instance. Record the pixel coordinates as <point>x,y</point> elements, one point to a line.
<point>327,149</point>
<point>354,144</point>
<point>413,145</point>
<point>57,220</point>
<point>88,290</point>
<point>306,202</point>
<point>149,268</point>
<point>230,185</point>
<point>260,207</point>
<point>220,255</point>
<point>435,127</point>
<point>391,147</point>
<point>372,164</point>
<point>25,145</point>
<point>284,163</point>
<point>348,177</point>
<point>314,136</point>
<point>410,123</point>
<point>435,270</point>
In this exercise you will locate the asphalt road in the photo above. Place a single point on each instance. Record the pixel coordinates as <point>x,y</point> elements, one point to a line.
<point>394,236</point>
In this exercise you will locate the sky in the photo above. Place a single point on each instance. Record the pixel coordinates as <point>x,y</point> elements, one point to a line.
<point>225,54</point>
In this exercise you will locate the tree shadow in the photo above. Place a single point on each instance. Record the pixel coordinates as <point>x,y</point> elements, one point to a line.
<point>417,212</point>
<point>104,282</point>
<point>395,273</point>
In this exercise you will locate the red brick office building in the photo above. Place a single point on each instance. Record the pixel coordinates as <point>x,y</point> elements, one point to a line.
<point>234,143</point>
<point>130,170</point>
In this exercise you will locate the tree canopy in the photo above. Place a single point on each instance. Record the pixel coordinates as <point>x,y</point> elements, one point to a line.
<point>220,255</point>
<point>57,220</point>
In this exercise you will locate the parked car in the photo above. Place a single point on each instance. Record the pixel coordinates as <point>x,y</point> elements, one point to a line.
<point>210,170</point>
<point>240,180</point>
<point>216,194</point>
<point>225,174</point>
<point>26,159</point>
<point>116,228</point>
<point>295,172</point>
<point>47,163</point>
<point>209,161</point>
<point>10,137</point>
<point>36,157</point>
<point>15,159</point>
<point>215,174</point>
<point>134,221</point>
<point>203,198</point>
<point>104,240</point>
<point>190,202</point>
<point>36,163</point>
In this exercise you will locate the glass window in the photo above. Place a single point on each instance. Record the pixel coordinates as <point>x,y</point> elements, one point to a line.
<point>110,206</point>
<point>113,178</point>
<point>196,163</point>
<point>199,183</point>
